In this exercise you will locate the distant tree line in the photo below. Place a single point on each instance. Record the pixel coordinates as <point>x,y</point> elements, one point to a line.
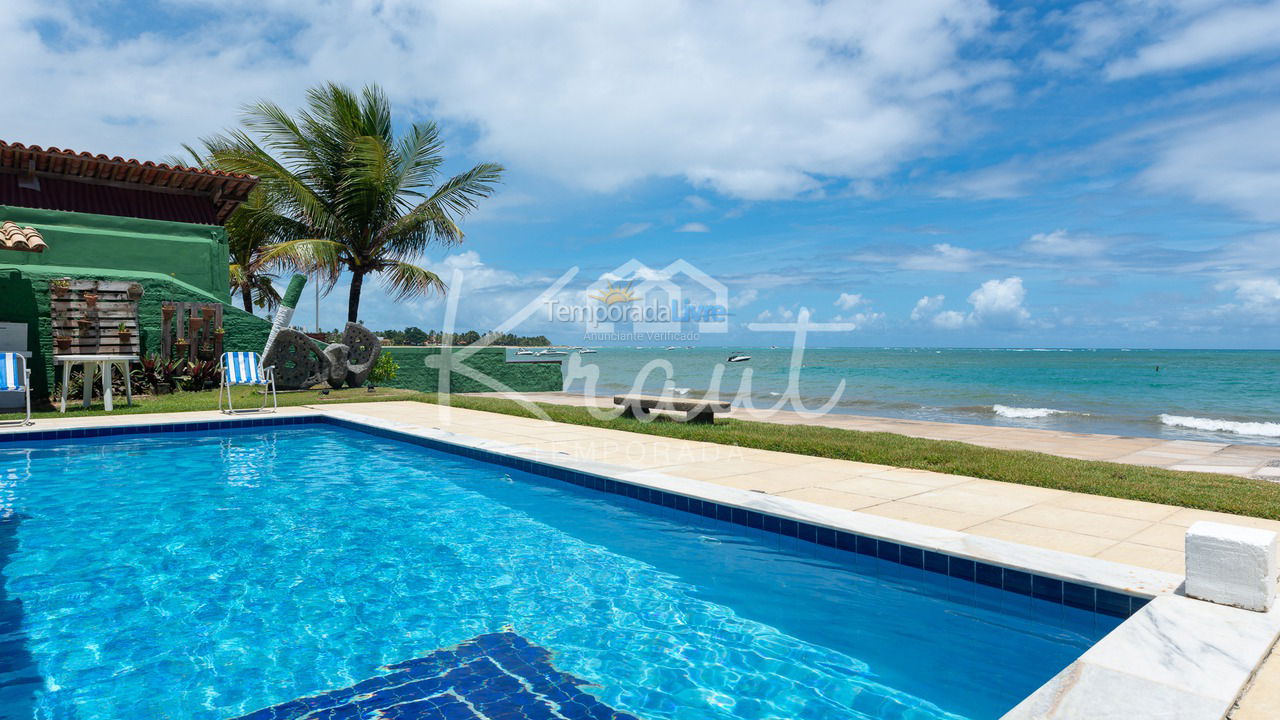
<point>418,336</point>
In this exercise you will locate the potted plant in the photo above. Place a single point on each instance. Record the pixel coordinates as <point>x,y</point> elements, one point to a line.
<point>207,313</point>
<point>180,348</point>
<point>63,342</point>
<point>84,323</point>
<point>134,291</point>
<point>219,332</point>
<point>59,286</point>
<point>125,334</point>
<point>91,299</point>
<point>195,324</point>
<point>166,314</point>
<point>205,351</point>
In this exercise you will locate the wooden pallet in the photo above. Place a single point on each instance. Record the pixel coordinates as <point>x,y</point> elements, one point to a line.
<point>175,324</point>
<point>95,330</point>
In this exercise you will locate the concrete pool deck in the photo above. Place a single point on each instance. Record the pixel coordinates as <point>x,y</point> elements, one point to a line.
<point>1135,533</point>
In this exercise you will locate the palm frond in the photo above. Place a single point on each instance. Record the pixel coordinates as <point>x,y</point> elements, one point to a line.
<point>405,280</point>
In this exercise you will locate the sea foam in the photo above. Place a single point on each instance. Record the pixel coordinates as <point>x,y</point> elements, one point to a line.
<point>1021,412</point>
<point>1261,429</point>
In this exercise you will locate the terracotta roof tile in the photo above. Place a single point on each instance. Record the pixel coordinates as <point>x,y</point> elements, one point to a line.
<point>13,237</point>
<point>226,189</point>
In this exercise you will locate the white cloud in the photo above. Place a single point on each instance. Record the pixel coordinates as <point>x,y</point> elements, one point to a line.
<point>860,320</point>
<point>753,98</point>
<point>1225,34</point>
<point>626,230</point>
<point>997,304</point>
<point>993,183</point>
<point>950,320</point>
<point>782,314</point>
<point>693,227</point>
<point>744,298</point>
<point>927,306</point>
<point>942,257</point>
<point>1232,161</point>
<point>848,301</point>
<point>697,202</point>
<point>1256,295</point>
<point>1060,243</point>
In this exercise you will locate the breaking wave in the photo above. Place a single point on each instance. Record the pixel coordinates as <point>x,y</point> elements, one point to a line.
<point>1261,429</point>
<point>1025,413</point>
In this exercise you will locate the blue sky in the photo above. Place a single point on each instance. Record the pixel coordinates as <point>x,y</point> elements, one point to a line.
<point>931,172</point>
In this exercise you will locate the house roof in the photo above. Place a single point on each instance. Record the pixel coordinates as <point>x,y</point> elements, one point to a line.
<point>84,182</point>
<point>16,237</point>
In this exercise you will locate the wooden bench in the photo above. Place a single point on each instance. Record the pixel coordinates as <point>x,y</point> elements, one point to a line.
<point>696,410</point>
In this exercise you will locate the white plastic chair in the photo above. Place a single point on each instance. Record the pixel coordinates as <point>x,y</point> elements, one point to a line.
<point>15,375</point>
<point>245,368</point>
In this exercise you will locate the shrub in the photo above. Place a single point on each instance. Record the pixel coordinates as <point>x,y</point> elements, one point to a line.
<point>384,370</point>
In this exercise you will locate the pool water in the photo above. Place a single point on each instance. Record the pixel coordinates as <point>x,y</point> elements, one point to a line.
<point>196,575</point>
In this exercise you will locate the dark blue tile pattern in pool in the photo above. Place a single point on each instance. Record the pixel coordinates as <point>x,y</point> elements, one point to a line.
<point>1076,595</point>
<point>498,675</point>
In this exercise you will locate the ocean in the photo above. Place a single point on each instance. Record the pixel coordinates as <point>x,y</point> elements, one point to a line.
<point>1215,395</point>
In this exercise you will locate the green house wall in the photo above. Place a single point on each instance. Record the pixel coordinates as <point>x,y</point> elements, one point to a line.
<point>187,252</point>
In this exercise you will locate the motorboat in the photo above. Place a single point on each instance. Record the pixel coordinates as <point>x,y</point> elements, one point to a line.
<point>738,357</point>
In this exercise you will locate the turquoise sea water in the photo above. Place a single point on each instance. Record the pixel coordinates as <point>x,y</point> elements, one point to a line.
<point>1218,395</point>
<point>204,576</point>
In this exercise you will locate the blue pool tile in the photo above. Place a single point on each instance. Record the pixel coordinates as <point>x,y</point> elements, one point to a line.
<point>989,575</point>
<point>961,568</point>
<point>771,524</point>
<point>890,551</point>
<point>826,537</point>
<point>1078,596</point>
<point>1017,581</point>
<point>755,520</point>
<point>866,545</point>
<point>788,528</point>
<point>846,541</point>
<point>936,562</point>
<point>1112,603</point>
<point>912,557</point>
<point>1044,588</point>
<point>1137,603</point>
<point>806,532</point>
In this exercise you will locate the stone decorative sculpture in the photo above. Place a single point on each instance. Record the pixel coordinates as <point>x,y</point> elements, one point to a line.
<point>336,354</point>
<point>298,361</point>
<point>363,350</point>
<point>301,362</point>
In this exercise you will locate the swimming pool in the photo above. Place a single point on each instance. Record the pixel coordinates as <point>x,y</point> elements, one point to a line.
<point>209,574</point>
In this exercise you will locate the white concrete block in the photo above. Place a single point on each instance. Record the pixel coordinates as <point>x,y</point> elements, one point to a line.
<point>1231,565</point>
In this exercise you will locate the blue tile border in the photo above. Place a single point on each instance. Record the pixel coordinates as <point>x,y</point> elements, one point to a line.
<point>1063,592</point>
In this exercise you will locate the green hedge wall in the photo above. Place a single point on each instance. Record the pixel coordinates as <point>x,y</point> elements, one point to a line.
<point>419,370</point>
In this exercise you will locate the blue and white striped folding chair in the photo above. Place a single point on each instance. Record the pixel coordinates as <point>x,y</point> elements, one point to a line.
<point>14,375</point>
<point>245,368</point>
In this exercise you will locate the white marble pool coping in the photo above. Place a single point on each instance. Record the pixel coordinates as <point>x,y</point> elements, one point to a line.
<point>1175,658</point>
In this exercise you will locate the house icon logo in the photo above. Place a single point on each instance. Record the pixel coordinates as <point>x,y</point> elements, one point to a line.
<point>677,298</point>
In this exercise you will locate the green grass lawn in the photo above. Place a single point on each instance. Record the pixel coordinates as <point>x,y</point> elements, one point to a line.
<point>244,397</point>
<point>1206,491</point>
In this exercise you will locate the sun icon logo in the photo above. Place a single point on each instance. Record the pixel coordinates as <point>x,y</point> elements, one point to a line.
<point>613,293</point>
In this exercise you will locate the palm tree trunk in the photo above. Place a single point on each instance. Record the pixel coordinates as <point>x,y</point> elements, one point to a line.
<point>247,294</point>
<point>353,300</point>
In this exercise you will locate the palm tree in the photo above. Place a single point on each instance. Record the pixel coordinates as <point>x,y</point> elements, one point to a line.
<point>249,238</point>
<point>251,229</point>
<point>350,194</point>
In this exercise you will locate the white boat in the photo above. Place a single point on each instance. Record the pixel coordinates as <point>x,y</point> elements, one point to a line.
<point>524,352</point>
<point>584,351</point>
<point>738,357</point>
<point>673,347</point>
<point>550,352</point>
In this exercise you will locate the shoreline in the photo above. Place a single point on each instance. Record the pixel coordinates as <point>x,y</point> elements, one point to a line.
<point>1259,462</point>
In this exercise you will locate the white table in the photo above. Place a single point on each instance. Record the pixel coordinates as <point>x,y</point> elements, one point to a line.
<point>106,363</point>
